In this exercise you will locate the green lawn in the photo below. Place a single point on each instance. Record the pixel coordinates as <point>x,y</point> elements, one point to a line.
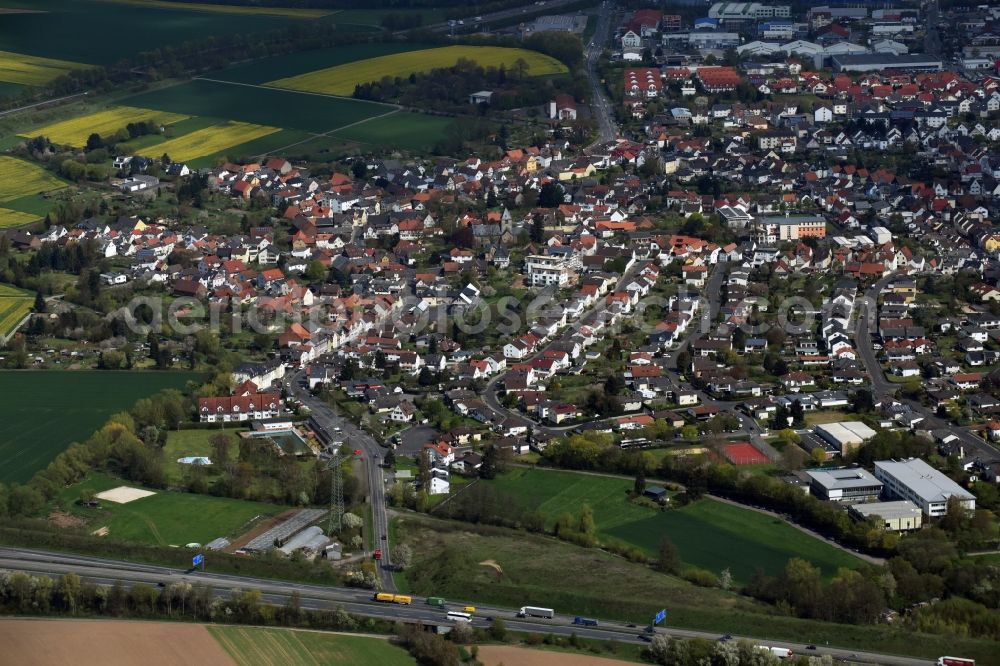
<point>182,443</point>
<point>828,416</point>
<point>253,646</point>
<point>46,411</point>
<point>166,518</point>
<point>536,570</point>
<point>709,534</point>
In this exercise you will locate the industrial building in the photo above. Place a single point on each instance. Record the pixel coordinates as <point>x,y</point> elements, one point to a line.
<point>923,485</point>
<point>845,435</point>
<point>844,485</point>
<point>898,516</point>
<point>877,62</point>
<point>748,11</point>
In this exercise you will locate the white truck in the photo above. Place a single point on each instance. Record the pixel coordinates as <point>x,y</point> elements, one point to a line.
<point>779,652</point>
<point>535,611</point>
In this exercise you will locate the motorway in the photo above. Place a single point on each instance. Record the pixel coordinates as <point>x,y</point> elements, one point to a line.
<point>882,389</point>
<point>336,428</point>
<point>359,602</point>
<point>600,104</point>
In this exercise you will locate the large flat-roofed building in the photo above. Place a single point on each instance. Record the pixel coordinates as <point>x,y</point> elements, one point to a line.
<point>923,485</point>
<point>877,62</point>
<point>898,516</point>
<point>845,435</point>
<point>843,485</point>
<point>747,11</point>
<point>791,227</point>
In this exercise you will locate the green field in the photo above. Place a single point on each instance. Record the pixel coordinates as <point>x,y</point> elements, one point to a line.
<point>708,534</point>
<point>166,518</point>
<point>449,557</point>
<point>46,411</point>
<point>101,33</point>
<point>250,646</point>
<point>184,443</point>
<point>262,106</point>
<point>404,130</point>
<point>14,305</point>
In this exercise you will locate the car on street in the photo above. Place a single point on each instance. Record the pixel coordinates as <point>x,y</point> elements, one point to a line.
<point>810,647</point>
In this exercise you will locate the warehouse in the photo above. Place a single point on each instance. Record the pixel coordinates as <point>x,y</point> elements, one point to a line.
<point>923,485</point>
<point>844,485</point>
<point>877,62</point>
<point>845,435</point>
<point>898,516</point>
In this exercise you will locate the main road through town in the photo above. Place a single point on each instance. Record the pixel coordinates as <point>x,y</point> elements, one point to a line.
<point>359,602</point>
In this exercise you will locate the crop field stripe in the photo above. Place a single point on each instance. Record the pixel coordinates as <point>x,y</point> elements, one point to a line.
<point>75,131</point>
<point>15,218</point>
<point>30,70</point>
<point>268,86</point>
<point>19,178</point>
<point>213,139</point>
<point>228,9</point>
<point>342,79</point>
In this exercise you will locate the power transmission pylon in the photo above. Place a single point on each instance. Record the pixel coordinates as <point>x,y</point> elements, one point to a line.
<point>334,522</point>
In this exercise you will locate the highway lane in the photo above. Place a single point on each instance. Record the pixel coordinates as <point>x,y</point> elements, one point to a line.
<point>341,428</point>
<point>600,104</point>
<point>107,572</point>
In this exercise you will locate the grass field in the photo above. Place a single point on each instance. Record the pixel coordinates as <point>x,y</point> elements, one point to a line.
<point>14,218</point>
<point>19,178</point>
<point>182,443</point>
<point>229,9</point>
<point>102,33</point>
<point>342,79</point>
<point>708,534</point>
<point>250,646</point>
<point>259,105</point>
<point>74,132</point>
<point>545,572</point>
<point>404,130</point>
<point>14,304</point>
<point>46,411</point>
<point>166,518</point>
<point>213,139</point>
<point>28,70</point>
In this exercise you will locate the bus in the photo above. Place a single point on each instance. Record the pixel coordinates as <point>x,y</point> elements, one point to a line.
<point>459,616</point>
<point>386,597</point>
<point>534,611</point>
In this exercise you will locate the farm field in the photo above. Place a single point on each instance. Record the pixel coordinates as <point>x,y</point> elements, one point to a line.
<point>19,178</point>
<point>291,64</point>
<point>28,70</point>
<point>109,643</point>
<point>248,646</point>
<point>14,218</point>
<point>342,79</point>
<point>166,518</point>
<point>708,534</point>
<point>404,130</point>
<point>14,304</point>
<point>101,33</point>
<point>229,9</point>
<point>74,132</point>
<point>453,560</point>
<point>46,411</point>
<point>259,105</point>
<point>213,139</point>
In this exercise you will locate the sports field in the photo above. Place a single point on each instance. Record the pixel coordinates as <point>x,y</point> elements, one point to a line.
<point>249,646</point>
<point>165,518</point>
<point>19,178</point>
<point>47,410</point>
<point>342,79</point>
<point>76,131</point>
<point>228,9</point>
<point>28,70</point>
<point>14,304</point>
<point>213,139</point>
<point>708,534</point>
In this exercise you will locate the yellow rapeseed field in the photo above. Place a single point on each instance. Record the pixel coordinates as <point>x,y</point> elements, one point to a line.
<point>288,12</point>
<point>19,178</point>
<point>74,132</point>
<point>30,70</point>
<point>212,140</point>
<point>14,218</point>
<point>342,79</point>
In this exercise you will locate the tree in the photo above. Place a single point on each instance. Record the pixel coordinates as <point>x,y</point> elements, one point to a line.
<point>818,456</point>
<point>402,556</point>
<point>39,302</point>
<point>498,629</point>
<point>315,271</point>
<point>551,195</point>
<point>639,487</point>
<point>359,169</point>
<point>94,141</point>
<point>669,560</point>
<point>488,468</point>
<point>537,228</point>
<point>390,458</point>
<point>221,448</point>
<point>587,525</point>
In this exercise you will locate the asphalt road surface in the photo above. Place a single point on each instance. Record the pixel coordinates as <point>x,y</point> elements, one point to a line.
<point>360,602</point>
<point>600,104</point>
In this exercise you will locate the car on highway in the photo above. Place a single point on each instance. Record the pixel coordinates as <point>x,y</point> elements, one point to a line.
<point>810,647</point>
<point>725,637</point>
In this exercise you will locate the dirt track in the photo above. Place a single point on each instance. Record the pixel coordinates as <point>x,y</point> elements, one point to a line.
<point>491,655</point>
<point>107,643</point>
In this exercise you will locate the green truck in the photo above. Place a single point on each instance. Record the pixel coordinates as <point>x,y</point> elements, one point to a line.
<point>435,601</point>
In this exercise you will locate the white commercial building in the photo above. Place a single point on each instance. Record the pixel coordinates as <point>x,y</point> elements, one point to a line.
<point>843,485</point>
<point>845,435</point>
<point>923,485</point>
<point>898,516</point>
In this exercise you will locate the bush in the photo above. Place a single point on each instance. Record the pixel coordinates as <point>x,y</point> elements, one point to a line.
<point>701,577</point>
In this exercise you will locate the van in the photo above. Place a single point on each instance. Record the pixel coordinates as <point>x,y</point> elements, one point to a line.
<point>469,609</point>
